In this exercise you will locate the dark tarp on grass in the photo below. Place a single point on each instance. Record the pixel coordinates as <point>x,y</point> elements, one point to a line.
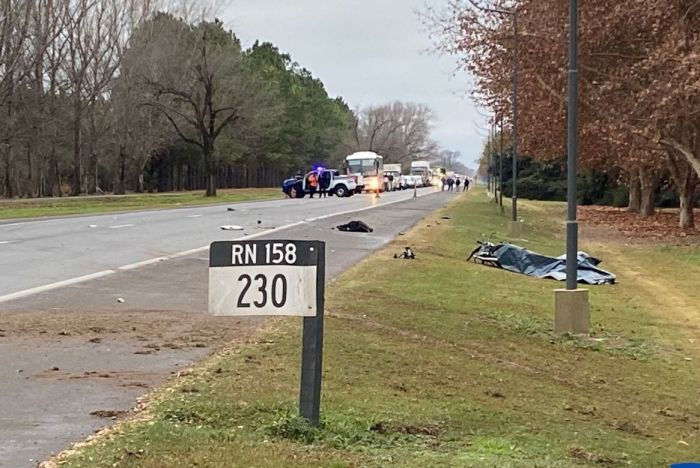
<point>520,260</point>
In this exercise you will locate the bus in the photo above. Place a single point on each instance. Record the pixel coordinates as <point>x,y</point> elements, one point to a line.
<point>367,168</point>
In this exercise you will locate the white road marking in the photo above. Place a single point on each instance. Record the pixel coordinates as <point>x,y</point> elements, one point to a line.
<point>120,226</point>
<point>52,286</point>
<point>133,266</point>
<point>136,265</point>
<point>194,216</point>
<point>4,242</point>
<point>21,223</point>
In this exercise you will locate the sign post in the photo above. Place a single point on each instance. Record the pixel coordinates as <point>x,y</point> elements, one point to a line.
<point>276,277</point>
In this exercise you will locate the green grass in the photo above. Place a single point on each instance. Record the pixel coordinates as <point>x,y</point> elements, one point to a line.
<point>441,363</point>
<point>14,209</point>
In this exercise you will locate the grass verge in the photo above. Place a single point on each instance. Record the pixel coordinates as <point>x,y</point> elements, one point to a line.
<point>15,209</point>
<point>437,362</point>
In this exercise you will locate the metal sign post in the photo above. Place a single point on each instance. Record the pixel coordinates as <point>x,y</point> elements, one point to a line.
<point>312,349</point>
<point>276,277</point>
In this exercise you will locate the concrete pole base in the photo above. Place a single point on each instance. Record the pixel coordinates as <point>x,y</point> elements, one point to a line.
<point>572,312</point>
<point>515,228</point>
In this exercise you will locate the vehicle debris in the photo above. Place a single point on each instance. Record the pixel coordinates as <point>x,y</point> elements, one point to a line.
<point>407,254</point>
<point>232,228</point>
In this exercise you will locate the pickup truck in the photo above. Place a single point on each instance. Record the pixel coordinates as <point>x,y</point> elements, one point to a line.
<point>340,185</point>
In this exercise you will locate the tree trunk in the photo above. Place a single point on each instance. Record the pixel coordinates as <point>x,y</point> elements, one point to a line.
<point>30,172</point>
<point>120,189</point>
<point>92,175</point>
<point>77,169</point>
<point>686,181</point>
<point>687,217</point>
<point>210,168</point>
<point>10,182</point>
<point>649,179</point>
<point>139,185</point>
<point>635,200</point>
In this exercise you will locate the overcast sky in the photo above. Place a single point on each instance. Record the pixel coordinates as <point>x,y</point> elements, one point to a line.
<point>369,52</point>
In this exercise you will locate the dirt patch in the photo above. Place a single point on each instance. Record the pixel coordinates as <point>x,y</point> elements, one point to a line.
<point>161,330</point>
<point>431,430</point>
<point>609,223</point>
<point>109,413</point>
<point>630,428</point>
<point>579,453</point>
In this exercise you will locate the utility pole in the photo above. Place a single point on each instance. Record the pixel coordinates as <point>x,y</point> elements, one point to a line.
<point>572,137</point>
<point>572,309</point>
<point>515,117</point>
<point>500,168</point>
<point>492,150</point>
<point>515,227</point>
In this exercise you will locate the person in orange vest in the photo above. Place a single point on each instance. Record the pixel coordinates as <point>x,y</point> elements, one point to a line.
<point>313,184</point>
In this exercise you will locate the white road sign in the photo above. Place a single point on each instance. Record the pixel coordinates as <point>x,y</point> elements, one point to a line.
<point>264,277</point>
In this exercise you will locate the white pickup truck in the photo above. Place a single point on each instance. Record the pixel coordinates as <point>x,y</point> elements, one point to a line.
<point>339,185</point>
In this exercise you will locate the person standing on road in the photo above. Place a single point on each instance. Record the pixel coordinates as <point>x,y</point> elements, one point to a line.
<point>324,183</point>
<point>450,184</point>
<point>466,184</point>
<point>313,184</point>
<point>458,182</point>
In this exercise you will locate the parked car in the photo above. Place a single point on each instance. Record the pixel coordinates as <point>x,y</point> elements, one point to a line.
<point>340,185</point>
<point>411,181</point>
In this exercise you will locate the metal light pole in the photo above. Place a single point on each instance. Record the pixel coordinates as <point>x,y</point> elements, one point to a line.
<point>572,223</point>
<point>492,153</point>
<point>572,310</point>
<point>515,116</point>
<point>500,168</point>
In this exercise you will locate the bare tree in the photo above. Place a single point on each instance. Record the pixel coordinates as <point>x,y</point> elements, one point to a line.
<point>399,131</point>
<point>200,85</point>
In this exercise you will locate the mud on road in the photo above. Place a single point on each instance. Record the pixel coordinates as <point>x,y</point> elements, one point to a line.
<point>109,359</point>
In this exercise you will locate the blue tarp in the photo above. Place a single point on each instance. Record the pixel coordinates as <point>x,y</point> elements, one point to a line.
<point>520,260</point>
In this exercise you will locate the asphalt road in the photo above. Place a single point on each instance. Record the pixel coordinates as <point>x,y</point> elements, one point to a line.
<point>67,352</point>
<point>39,254</point>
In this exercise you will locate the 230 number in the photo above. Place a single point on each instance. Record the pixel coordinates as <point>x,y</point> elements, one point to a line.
<point>276,292</point>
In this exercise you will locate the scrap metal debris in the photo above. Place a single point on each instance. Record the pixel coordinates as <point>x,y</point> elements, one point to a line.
<point>520,260</point>
<point>407,254</point>
<point>355,226</point>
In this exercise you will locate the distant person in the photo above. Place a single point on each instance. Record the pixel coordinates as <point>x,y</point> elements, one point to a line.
<point>466,184</point>
<point>313,184</point>
<point>444,182</point>
<point>324,183</point>
<point>450,184</point>
<point>458,182</point>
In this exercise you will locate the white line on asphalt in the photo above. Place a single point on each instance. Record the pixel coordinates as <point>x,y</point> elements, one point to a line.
<point>120,226</point>
<point>194,216</point>
<point>133,266</point>
<point>4,242</point>
<point>52,286</point>
<point>22,223</point>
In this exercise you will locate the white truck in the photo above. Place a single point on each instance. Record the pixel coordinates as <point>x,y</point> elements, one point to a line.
<point>392,177</point>
<point>422,169</point>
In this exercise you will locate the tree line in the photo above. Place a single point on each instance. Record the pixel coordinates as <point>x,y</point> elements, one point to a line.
<point>125,95</point>
<point>639,89</point>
